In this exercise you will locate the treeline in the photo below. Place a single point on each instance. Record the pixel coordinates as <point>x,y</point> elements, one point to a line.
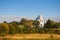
<point>28,26</point>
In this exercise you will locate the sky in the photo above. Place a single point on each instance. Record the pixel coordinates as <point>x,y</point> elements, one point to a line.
<point>16,9</point>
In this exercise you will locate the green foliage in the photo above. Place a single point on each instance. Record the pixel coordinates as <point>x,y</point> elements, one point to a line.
<point>14,25</point>
<point>22,28</point>
<point>11,29</point>
<point>28,26</point>
<point>57,25</point>
<point>36,23</point>
<point>27,23</point>
<point>50,24</point>
<point>4,29</point>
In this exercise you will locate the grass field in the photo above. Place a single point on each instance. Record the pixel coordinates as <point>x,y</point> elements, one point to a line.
<point>31,37</point>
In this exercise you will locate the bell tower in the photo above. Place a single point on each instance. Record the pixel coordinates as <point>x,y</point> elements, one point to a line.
<point>41,21</point>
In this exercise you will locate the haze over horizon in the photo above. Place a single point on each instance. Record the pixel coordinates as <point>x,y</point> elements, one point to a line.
<point>30,9</point>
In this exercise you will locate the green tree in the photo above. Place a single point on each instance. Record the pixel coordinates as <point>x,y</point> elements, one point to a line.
<point>57,25</point>
<point>15,24</point>
<point>23,29</point>
<point>4,29</point>
<point>27,23</point>
<point>36,23</point>
<point>12,29</point>
<point>49,24</point>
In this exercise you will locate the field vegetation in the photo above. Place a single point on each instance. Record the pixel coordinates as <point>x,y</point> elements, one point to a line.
<point>29,29</point>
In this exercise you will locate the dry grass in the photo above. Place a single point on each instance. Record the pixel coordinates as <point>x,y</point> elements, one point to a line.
<point>32,36</point>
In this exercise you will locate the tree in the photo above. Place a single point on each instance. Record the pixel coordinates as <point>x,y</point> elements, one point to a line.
<point>12,29</point>
<point>15,24</point>
<point>4,29</point>
<point>36,23</point>
<point>49,24</point>
<point>28,23</point>
<point>23,29</point>
<point>57,25</point>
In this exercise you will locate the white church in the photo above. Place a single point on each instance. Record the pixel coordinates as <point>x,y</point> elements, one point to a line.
<point>41,21</point>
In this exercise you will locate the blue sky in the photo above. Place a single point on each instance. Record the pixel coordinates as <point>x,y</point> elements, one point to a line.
<point>31,8</point>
